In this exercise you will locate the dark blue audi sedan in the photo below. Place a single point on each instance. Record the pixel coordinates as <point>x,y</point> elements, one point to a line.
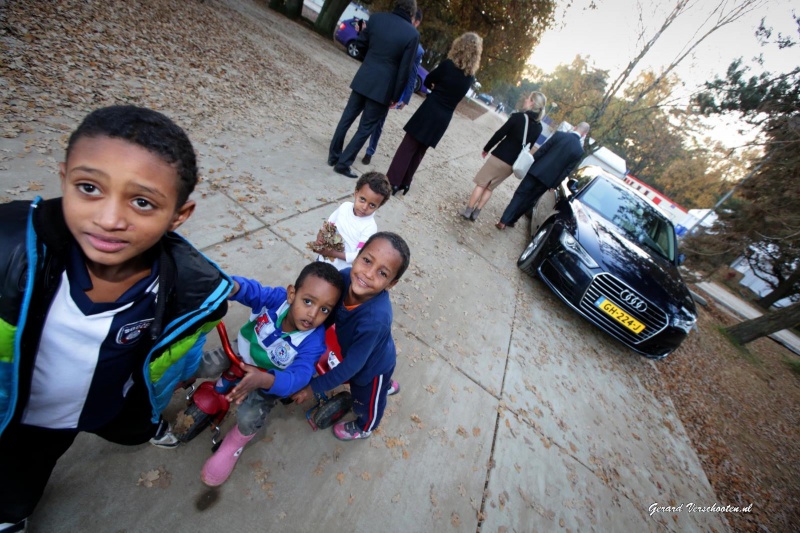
<point>613,257</point>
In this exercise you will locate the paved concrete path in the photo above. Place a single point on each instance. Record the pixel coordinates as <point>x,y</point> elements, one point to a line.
<point>515,414</point>
<point>738,308</point>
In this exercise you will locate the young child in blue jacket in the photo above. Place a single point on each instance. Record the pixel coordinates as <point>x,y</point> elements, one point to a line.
<point>285,336</point>
<point>103,309</point>
<point>364,328</point>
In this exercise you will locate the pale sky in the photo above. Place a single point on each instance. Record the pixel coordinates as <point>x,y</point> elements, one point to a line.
<point>609,36</point>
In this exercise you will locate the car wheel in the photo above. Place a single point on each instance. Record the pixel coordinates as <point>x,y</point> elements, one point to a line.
<point>531,256</point>
<point>418,84</point>
<point>352,49</point>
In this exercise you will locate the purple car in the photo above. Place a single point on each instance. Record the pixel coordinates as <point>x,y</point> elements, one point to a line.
<point>346,33</point>
<point>418,86</point>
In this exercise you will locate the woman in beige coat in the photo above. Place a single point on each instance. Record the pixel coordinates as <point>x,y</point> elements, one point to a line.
<point>511,136</point>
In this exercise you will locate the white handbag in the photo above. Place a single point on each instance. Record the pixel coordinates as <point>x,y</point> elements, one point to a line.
<point>525,158</point>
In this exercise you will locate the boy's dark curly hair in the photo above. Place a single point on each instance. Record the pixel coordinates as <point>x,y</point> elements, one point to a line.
<point>149,129</point>
<point>378,182</point>
<point>324,271</point>
<point>398,244</point>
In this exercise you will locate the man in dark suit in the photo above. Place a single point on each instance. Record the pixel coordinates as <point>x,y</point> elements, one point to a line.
<point>389,42</point>
<point>404,99</point>
<point>553,162</point>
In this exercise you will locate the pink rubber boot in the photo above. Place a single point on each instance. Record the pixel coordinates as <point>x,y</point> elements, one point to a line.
<point>220,465</point>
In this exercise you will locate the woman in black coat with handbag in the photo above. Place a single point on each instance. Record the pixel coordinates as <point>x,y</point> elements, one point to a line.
<point>449,82</point>
<point>512,136</point>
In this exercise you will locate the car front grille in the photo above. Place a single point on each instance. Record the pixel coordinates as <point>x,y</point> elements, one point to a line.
<point>653,318</point>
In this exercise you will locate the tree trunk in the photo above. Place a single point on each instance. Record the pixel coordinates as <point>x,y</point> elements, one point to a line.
<point>294,8</point>
<point>329,16</point>
<point>781,291</point>
<point>750,330</point>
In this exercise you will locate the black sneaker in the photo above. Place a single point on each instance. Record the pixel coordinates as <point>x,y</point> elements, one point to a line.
<point>366,159</point>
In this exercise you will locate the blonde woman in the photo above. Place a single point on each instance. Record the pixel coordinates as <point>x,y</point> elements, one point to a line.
<point>510,136</point>
<point>448,82</point>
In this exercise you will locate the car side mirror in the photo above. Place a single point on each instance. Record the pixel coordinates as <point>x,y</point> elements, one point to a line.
<point>572,185</point>
<point>681,259</point>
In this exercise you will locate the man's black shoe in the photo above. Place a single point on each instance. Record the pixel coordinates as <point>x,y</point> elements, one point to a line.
<point>366,159</point>
<point>345,171</point>
<point>331,162</point>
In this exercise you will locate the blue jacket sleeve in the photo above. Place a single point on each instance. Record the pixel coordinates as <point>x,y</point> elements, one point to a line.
<point>363,345</point>
<point>406,69</point>
<point>298,374</point>
<point>255,296</point>
<point>412,80</point>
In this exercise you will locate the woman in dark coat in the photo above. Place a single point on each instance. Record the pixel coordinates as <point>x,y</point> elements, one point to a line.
<point>511,136</point>
<point>449,82</point>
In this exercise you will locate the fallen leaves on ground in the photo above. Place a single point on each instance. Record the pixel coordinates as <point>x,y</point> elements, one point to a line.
<point>741,411</point>
<point>158,478</point>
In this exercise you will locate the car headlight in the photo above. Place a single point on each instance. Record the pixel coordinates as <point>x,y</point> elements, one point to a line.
<point>572,246</point>
<point>684,321</point>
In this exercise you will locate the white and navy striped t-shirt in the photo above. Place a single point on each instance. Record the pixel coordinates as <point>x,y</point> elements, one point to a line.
<point>84,364</point>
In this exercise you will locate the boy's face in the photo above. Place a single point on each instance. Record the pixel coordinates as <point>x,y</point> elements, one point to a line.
<point>119,199</point>
<point>310,304</point>
<point>374,270</point>
<point>366,201</point>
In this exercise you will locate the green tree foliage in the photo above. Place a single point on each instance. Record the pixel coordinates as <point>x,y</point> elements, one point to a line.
<point>625,98</point>
<point>644,131</point>
<point>765,228</point>
<point>574,90</point>
<point>513,95</point>
<point>689,181</point>
<point>510,30</point>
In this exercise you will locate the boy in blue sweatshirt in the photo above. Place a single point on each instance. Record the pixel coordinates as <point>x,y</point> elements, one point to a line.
<point>364,328</point>
<point>278,346</point>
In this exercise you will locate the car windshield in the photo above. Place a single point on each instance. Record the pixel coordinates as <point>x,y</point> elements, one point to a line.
<point>640,222</point>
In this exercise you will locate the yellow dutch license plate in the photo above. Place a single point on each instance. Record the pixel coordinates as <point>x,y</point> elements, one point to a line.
<point>608,307</point>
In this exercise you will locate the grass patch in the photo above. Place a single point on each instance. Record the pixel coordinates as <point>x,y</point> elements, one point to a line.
<point>793,364</point>
<point>746,354</point>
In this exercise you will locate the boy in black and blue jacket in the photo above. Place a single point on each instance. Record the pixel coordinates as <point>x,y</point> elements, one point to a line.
<point>96,325</point>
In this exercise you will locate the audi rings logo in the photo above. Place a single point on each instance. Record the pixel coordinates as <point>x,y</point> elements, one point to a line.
<point>634,301</point>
